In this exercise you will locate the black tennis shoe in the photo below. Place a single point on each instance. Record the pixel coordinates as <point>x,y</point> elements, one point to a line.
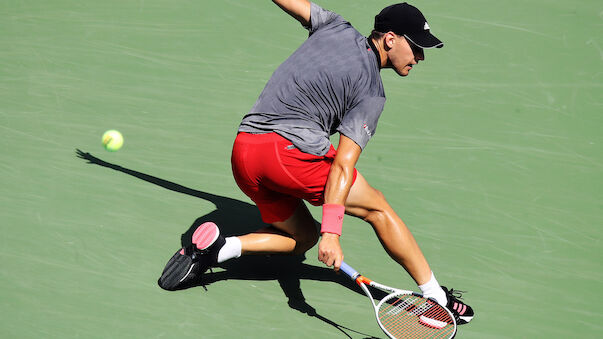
<point>462,312</point>
<point>188,264</point>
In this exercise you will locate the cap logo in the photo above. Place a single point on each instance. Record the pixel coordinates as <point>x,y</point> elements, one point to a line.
<point>426,27</point>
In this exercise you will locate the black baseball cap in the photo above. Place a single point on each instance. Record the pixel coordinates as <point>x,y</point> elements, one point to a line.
<point>407,20</point>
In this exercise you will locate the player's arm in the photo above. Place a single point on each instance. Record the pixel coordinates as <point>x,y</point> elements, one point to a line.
<point>299,9</point>
<point>341,174</point>
<point>339,182</point>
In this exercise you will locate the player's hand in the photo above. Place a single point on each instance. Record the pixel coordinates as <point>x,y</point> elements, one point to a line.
<point>329,250</point>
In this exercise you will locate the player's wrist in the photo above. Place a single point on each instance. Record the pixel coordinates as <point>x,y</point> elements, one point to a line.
<point>332,219</point>
<point>327,235</point>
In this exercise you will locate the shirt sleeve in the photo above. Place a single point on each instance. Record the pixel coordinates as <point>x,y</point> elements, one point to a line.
<point>320,17</point>
<point>360,123</point>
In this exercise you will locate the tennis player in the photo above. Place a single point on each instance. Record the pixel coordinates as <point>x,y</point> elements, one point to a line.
<point>282,154</point>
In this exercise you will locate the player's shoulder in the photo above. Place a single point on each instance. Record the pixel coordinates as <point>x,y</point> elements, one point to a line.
<point>321,18</point>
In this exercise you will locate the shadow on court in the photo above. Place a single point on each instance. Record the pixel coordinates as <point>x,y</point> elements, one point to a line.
<point>237,217</point>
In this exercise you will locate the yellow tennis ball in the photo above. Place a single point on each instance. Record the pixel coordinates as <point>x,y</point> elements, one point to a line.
<point>112,140</point>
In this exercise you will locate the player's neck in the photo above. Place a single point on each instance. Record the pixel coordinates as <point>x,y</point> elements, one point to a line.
<point>377,45</point>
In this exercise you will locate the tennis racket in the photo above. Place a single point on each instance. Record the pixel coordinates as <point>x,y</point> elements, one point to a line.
<point>406,314</point>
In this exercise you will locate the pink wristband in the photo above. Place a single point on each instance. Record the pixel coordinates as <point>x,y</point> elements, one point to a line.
<point>332,218</point>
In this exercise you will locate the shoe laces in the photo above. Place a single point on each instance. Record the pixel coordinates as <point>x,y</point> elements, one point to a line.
<point>456,294</point>
<point>204,283</point>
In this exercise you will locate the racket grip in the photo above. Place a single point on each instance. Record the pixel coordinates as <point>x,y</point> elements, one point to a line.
<point>348,270</point>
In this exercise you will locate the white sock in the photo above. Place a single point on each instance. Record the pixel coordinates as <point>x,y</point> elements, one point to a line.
<point>432,289</point>
<point>231,249</point>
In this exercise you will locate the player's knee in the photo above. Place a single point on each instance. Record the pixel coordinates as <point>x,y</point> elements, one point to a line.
<point>377,214</point>
<point>305,242</point>
<point>376,217</point>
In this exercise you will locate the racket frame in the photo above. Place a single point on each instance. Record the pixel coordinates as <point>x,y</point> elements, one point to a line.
<point>363,281</point>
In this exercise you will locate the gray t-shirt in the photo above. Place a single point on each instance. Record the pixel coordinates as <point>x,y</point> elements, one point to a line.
<point>330,84</point>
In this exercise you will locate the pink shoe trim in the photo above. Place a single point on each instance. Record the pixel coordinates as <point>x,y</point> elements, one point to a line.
<point>205,235</point>
<point>459,308</point>
<point>182,251</point>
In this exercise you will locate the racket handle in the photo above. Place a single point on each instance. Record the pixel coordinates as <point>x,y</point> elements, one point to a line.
<point>348,270</point>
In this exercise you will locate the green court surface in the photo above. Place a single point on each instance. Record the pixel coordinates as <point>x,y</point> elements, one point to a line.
<point>491,151</point>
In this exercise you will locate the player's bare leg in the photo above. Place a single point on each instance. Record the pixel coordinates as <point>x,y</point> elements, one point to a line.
<point>369,204</point>
<point>295,235</point>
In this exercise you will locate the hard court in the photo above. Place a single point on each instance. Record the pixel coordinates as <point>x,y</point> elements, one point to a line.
<point>491,151</point>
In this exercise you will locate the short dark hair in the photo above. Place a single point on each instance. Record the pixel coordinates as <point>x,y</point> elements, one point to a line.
<point>376,35</point>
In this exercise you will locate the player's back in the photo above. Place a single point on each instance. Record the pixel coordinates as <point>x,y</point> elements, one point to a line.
<point>310,92</point>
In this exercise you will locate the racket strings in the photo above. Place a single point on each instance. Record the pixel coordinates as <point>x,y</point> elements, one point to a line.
<point>412,317</point>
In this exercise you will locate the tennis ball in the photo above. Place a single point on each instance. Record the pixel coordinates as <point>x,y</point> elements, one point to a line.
<point>112,140</point>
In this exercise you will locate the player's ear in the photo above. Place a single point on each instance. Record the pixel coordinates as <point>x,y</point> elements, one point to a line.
<point>388,40</point>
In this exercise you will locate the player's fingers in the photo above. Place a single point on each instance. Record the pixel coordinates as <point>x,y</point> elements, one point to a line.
<point>323,255</point>
<point>338,261</point>
<point>329,260</point>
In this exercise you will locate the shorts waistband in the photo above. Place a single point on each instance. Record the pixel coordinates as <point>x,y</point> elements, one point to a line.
<point>262,138</point>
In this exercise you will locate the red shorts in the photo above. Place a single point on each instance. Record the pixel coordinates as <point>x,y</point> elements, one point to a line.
<point>276,175</point>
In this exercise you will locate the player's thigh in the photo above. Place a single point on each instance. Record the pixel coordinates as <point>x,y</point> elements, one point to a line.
<point>301,225</point>
<point>363,199</point>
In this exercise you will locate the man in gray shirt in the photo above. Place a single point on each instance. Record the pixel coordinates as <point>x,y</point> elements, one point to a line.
<point>331,83</point>
<point>282,154</point>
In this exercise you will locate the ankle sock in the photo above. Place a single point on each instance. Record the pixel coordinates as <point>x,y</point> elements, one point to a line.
<point>230,250</point>
<point>432,289</point>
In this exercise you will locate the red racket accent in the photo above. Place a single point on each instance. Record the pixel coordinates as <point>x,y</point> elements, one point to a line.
<point>363,280</point>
